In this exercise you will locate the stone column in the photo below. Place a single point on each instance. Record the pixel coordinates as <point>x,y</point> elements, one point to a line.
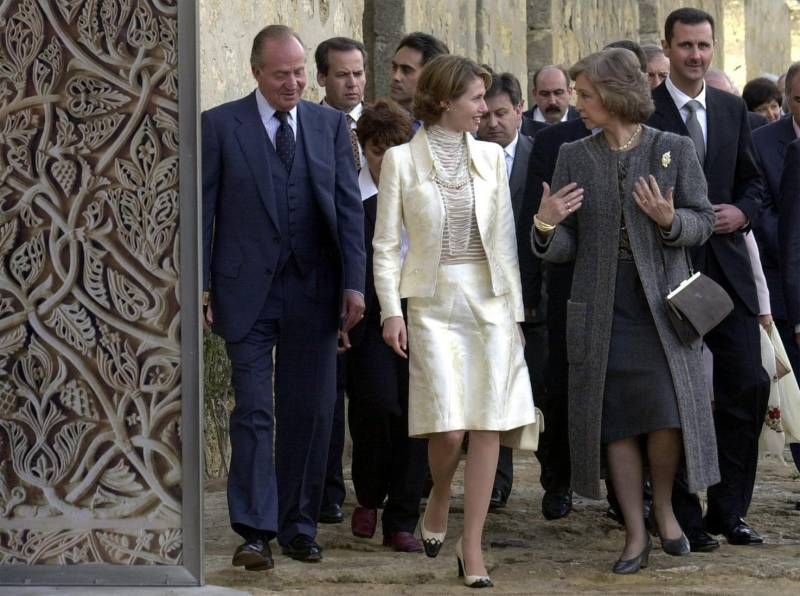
<point>539,36</point>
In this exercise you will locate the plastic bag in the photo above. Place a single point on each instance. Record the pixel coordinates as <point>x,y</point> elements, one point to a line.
<point>772,438</point>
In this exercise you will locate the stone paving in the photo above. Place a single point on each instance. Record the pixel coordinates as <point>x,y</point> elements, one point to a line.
<point>528,555</point>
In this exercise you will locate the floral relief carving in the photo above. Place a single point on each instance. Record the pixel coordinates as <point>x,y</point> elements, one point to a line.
<point>90,387</point>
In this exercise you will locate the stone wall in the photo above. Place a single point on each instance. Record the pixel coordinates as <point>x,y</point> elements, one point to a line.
<point>227,28</point>
<point>763,54</point>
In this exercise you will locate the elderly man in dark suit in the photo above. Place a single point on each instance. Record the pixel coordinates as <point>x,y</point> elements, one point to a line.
<point>284,262</point>
<point>771,143</point>
<point>717,123</point>
<point>501,124</point>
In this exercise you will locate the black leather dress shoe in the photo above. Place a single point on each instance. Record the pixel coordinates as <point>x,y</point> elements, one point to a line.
<point>556,504</point>
<point>302,548</point>
<point>498,500</point>
<point>701,542</point>
<point>331,514</point>
<point>738,533</point>
<point>254,555</point>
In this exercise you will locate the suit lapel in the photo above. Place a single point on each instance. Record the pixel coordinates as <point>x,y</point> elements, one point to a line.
<point>519,170</point>
<point>253,139</point>
<point>314,142</point>
<point>785,137</point>
<point>667,117</point>
<point>715,129</point>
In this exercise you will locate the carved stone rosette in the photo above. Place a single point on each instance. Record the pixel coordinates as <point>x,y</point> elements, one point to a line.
<point>90,394</point>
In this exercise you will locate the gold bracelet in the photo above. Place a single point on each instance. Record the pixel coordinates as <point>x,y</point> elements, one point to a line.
<point>543,227</point>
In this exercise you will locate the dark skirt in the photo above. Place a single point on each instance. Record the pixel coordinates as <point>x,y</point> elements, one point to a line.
<point>639,393</point>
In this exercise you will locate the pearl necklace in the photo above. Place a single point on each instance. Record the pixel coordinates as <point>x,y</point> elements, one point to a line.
<point>630,141</point>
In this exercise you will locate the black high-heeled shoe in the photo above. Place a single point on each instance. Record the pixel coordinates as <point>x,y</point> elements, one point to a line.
<point>629,566</point>
<point>471,581</point>
<point>677,547</point>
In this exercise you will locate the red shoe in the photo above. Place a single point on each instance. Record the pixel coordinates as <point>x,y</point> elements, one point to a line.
<point>364,521</point>
<point>403,542</point>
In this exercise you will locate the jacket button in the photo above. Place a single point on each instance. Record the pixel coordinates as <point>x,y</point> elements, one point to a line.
<point>269,271</point>
<point>277,239</point>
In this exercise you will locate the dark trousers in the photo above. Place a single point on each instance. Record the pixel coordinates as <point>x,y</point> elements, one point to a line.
<point>280,494</point>
<point>553,452</point>
<point>334,477</point>
<point>741,393</point>
<point>536,358</point>
<point>387,463</point>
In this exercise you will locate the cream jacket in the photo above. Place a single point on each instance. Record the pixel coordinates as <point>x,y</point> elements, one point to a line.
<point>408,196</point>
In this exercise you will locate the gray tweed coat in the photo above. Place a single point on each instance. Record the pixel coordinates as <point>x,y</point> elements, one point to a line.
<point>590,236</point>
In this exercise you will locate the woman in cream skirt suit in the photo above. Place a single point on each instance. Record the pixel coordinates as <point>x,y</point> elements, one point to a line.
<point>461,278</point>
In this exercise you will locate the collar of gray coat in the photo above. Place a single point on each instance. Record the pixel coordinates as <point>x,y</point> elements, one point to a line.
<point>479,159</point>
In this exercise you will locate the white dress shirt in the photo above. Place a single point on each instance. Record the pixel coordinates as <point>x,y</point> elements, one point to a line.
<point>509,151</point>
<point>268,119</point>
<point>681,99</point>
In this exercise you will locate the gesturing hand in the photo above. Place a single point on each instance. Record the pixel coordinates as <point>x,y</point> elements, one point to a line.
<point>395,335</point>
<point>555,207</point>
<point>658,208</point>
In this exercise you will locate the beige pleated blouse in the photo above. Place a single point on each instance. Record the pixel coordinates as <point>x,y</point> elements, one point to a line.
<point>461,239</point>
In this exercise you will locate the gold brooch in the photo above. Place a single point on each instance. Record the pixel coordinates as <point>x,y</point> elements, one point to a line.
<point>666,159</point>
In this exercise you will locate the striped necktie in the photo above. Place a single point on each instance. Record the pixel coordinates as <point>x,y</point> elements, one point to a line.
<point>354,143</point>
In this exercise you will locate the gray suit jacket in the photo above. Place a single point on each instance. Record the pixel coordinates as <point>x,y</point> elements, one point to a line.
<point>590,237</point>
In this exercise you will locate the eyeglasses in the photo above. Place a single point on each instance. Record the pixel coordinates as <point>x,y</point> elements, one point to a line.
<point>658,76</point>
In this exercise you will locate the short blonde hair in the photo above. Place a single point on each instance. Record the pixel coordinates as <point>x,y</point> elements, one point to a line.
<point>443,79</point>
<point>620,82</point>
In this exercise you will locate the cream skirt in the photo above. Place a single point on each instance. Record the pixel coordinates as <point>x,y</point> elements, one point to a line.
<point>467,370</point>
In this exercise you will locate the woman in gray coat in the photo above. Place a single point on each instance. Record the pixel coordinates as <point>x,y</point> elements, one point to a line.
<point>632,383</point>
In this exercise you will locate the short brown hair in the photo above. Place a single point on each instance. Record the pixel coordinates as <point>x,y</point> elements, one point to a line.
<point>384,123</point>
<point>622,86</point>
<point>445,78</point>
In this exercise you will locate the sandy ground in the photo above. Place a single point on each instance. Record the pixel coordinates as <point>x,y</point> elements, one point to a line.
<point>529,555</point>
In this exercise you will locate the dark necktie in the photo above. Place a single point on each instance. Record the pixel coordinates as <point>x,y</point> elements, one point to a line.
<point>695,131</point>
<point>284,140</point>
<point>354,143</point>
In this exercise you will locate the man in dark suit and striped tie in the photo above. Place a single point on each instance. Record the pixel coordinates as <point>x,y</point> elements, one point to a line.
<point>341,72</point>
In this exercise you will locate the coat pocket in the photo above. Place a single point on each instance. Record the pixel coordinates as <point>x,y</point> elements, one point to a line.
<point>576,331</point>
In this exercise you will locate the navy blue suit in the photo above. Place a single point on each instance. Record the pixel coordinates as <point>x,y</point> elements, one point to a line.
<point>279,247</point>
<point>770,143</point>
<point>741,386</point>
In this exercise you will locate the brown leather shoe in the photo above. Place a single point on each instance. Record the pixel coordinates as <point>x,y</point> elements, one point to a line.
<point>363,522</point>
<point>403,542</point>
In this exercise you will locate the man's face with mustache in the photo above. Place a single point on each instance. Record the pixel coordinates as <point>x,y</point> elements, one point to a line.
<point>552,94</point>
<point>690,52</point>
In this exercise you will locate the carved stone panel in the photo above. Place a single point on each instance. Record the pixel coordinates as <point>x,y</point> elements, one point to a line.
<point>90,347</point>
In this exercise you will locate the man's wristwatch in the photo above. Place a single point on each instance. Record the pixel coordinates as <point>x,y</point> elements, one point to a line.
<point>206,298</point>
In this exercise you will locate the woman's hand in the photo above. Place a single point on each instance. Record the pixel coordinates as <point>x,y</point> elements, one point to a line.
<point>658,208</point>
<point>555,207</point>
<point>395,336</point>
